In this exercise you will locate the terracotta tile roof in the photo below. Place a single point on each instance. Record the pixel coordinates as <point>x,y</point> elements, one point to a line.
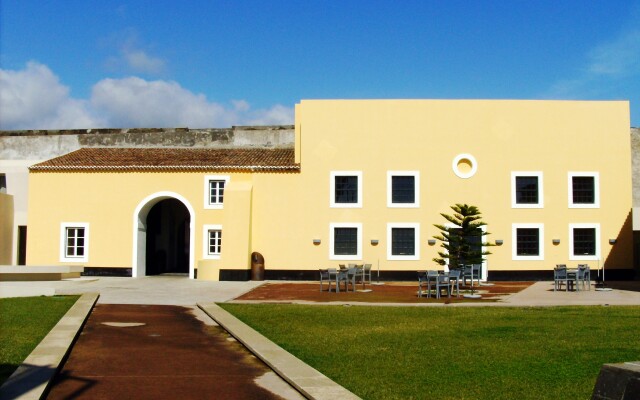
<point>171,159</point>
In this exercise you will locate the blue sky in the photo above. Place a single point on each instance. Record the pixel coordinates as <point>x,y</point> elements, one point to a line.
<point>81,64</point>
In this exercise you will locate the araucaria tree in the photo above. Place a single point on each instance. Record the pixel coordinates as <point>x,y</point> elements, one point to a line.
<point>462,239</point>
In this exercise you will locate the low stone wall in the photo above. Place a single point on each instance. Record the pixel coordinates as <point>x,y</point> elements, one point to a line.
<point>618,382</point>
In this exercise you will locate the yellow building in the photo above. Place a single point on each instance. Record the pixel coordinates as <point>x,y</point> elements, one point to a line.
<point>365,183</point>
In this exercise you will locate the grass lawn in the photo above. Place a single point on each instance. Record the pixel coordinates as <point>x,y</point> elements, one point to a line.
<point>24,322</point>
<point>453,352</point>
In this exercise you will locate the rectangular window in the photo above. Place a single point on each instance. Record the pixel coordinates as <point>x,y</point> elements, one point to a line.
<point>584,242</point>
<point>74,242</point>
<point>526,190</point>
<point>584,190</point>
<point>404,241</point>
<point>346,241</point>
<point>403,189</point>
<point>346,189</point>
<point>214,191</point>
<point>215,242</point>
<point>212,244</point>
<point>528,241</point>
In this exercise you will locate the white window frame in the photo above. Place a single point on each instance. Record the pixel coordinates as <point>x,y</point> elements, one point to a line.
<point>205,242</point>
<point>596,189</point>
<point>595,257</point>
<point>416,227</point>
<point>416,188</point>
<point>63,242</point>
<point>332,255</point>
<point>332,189</point>
<point>207,195</point>
<point>539,175</point>
<point>514,242</point>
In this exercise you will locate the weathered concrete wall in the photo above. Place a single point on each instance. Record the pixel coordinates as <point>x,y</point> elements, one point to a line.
<point>6,228</point>
<point>45,144</point>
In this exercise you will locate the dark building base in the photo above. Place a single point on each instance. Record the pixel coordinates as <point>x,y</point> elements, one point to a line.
<point>102,271</point>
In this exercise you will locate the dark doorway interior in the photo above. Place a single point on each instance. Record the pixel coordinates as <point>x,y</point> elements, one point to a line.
<point>22,245</point>
<point>168,238</point>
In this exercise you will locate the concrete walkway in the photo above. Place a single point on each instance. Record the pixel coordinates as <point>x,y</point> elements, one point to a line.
<point>156,290</point>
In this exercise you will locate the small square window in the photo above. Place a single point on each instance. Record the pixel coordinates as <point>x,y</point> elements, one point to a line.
<point>346,189</point>
<point>346,241</point>
<point>403,189</point>
<point>584,190</point>
<point>526,190</point>
<point>528,242</point>
<point>584,241</point>
<point>214,191</point>
<point>404,241</point>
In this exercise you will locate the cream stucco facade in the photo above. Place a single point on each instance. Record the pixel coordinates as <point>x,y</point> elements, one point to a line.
<point>453,151</point>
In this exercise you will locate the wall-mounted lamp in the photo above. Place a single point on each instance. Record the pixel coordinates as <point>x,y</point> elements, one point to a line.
<point>374,242</point>
<point>431,242</point>
<point>499,242</point>
<point>316,241</point>
<point>555,241</point>
<point>612,241</point>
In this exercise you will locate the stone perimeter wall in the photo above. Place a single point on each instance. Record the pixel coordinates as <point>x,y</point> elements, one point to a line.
<point>46,144</point>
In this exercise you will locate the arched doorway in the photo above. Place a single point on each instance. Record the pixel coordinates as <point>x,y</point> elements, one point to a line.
<point>167,247</point>
<point>163,236</point>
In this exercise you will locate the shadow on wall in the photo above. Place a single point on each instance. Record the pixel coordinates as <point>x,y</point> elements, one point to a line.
<point>619,263</point>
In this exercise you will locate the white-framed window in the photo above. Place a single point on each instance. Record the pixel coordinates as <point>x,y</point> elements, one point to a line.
<point>584,189</point>
<point>403,241</point>
<point>527,241</point>
<point>74,242</point>
<point>527,189</point>
<point>345,241</point>
<point>584,242</point>
<point>345,189</point>
<point>214,186</point>
<point>212,242</point>
<point>403,189</point>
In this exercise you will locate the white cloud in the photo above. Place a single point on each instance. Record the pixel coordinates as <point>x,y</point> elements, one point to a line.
<point>34,98</point>
<point>276,115</point>
<point>140,61</point>
<point>132,56</point>
<point>614,61</point>
<point>135,102</point>
<point>620,57</point>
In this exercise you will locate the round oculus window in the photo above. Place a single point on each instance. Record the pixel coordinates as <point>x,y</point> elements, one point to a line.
<point>464,165</point>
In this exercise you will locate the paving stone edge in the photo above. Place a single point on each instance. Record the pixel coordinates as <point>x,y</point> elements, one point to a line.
<point>307,380</point>
<point>33,377</point>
